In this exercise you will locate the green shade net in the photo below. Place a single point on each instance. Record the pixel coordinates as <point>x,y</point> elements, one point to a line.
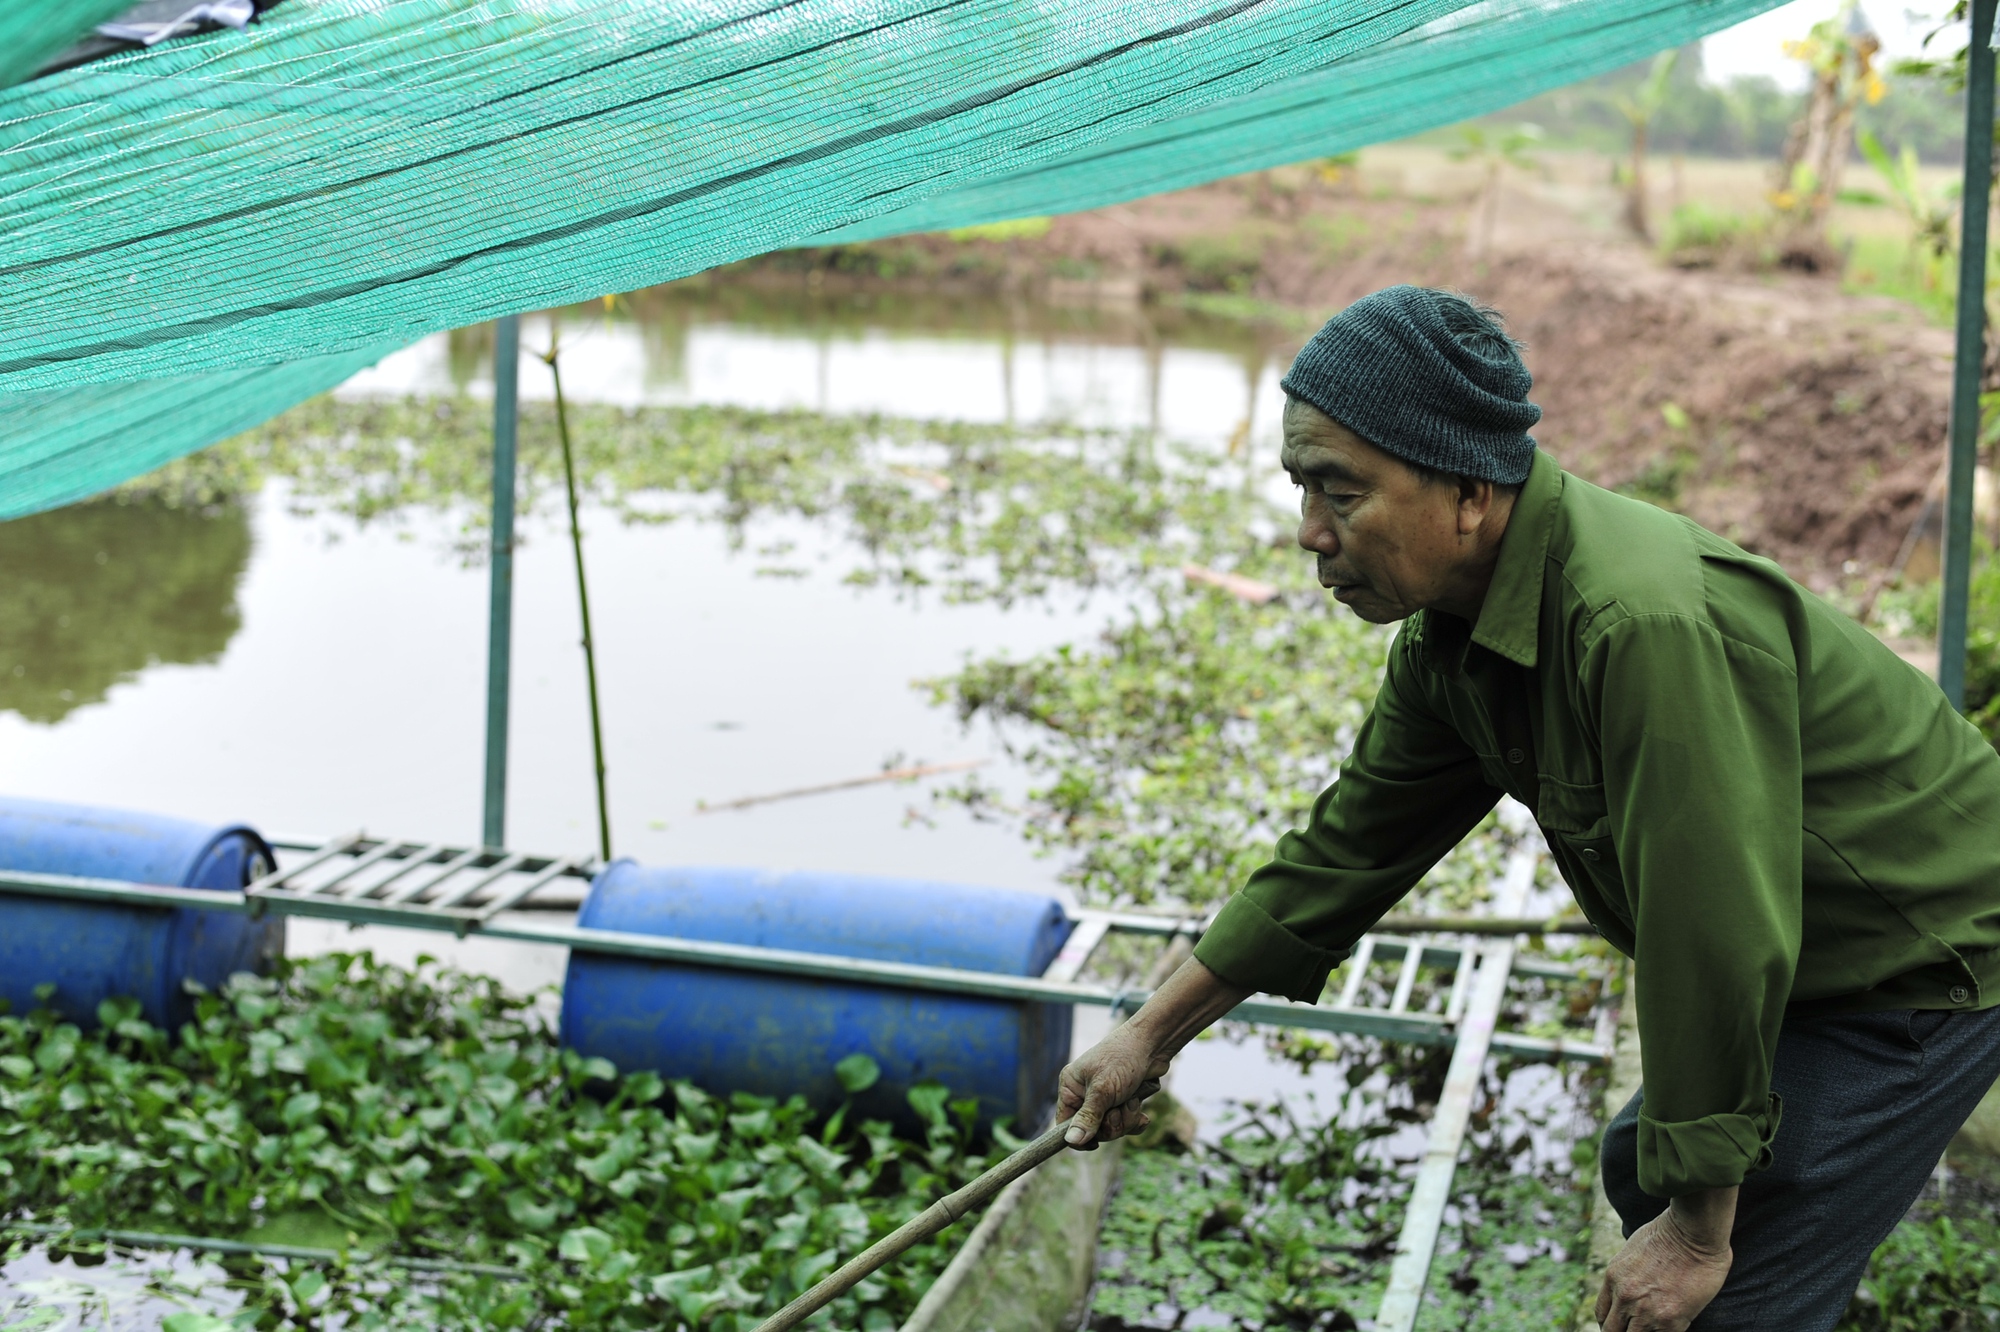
<point>211,216</point>
<point>34,30</point>
<point>60,445</point>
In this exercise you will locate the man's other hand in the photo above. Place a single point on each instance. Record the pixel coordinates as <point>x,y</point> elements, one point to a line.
<point>1671,1267</point>
<point>1104,1086</point>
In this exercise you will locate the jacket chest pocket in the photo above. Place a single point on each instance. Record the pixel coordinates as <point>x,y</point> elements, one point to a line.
<point>1575,821</point>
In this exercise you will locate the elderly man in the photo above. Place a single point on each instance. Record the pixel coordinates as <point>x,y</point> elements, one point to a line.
<point>1786,826</point>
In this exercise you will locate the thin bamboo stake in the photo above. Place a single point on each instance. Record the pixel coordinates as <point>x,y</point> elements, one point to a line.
<point>917,1229</point>
<point>909,774</point>
<point>583,605</point>
<point>148,1239</point>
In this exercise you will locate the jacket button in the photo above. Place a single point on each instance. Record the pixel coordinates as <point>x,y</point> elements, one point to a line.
<point>1515,756</point>
<point>1959,994</point>
<point>1590,853</point>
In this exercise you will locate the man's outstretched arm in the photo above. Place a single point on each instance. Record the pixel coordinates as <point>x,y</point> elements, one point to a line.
<point>1102,1088</point>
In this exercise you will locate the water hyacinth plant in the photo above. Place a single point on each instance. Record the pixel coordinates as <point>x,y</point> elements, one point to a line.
<point>352,1105</point>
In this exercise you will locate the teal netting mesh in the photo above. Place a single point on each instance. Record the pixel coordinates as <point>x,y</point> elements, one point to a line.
<point>1479,59</point>
<point>34,30</point>
<point>59,445</point>
<point>353,174</point>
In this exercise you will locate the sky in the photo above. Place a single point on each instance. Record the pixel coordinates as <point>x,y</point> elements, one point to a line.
<point>1756,46</point>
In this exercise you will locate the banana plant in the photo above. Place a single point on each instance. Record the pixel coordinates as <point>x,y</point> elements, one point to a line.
<point>1640,108</point>
<point>1929,214</point>
<point>1495,150</point>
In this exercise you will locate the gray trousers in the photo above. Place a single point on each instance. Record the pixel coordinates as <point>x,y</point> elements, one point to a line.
<point>1870,1102</point>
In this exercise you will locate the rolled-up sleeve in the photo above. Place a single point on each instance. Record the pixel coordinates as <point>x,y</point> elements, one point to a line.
<point>1411,789</point>
<point>1704,795</point>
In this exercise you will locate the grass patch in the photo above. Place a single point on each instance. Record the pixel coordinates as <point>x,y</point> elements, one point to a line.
<point>1889,266</point>
<point>1245,309</point>
<point>1020,228</point>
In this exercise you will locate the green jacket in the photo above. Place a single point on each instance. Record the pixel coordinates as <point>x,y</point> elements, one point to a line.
<point>1747,792</point>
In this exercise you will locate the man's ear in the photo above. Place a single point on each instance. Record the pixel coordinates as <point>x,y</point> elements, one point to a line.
<point>1475,501</point>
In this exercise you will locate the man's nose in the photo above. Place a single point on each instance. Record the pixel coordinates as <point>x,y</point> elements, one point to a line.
<point>1315,533</point>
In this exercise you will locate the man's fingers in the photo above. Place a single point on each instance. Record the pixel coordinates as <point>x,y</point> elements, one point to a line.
<point>1089,1107</point>
<point>1603,1301</point>
<point>1084,1123</point>
<point>1069,1094</point>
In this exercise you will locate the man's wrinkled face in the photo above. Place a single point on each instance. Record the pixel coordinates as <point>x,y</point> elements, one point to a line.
<point>1388,540</point>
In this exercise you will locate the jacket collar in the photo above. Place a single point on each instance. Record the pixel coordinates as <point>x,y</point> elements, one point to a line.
<point>1510,620</point>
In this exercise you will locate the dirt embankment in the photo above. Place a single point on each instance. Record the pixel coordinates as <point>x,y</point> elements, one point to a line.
<point>1801,422</point>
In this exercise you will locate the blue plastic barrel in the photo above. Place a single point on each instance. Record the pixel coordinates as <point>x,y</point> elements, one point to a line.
<point>775,1035</point>
<point>93,952</point>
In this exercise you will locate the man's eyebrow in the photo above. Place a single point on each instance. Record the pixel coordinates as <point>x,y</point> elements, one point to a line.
<point>1322,467</point>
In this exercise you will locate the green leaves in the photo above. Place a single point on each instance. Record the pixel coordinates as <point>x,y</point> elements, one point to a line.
<point>529,1213</point>
<point>927,1099</point>
<point>55,1050</point>
<point>1292,1222</point>
<point>586,1244</point>
<point>195,1322</point>
<point>433,1113</point>
<point>857,1073</point>
<point>300,1107</point>
<point>1931,1273</point>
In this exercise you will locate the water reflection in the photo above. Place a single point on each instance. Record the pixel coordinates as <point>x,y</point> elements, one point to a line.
<point>94,594</point>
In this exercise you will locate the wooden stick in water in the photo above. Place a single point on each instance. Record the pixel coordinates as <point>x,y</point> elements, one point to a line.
<point>917,1229</point>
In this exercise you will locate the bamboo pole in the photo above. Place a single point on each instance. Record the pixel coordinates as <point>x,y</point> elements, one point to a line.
<point>583,607</point>
<point>917,1229</point>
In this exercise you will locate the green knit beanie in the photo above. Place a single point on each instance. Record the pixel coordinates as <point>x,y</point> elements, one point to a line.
<point>1429,377</point>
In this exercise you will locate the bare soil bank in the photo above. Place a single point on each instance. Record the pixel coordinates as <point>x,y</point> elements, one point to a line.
<point>1804,423</point>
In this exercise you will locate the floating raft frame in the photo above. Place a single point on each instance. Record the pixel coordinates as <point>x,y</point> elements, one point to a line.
<point>490,892</point>
<point>367,880</point>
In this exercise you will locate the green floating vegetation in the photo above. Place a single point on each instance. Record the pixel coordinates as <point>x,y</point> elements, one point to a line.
<point>1932,1273</point>
<point>349,1104</point>
<point>1291,1222</point>
<point>977,512</point>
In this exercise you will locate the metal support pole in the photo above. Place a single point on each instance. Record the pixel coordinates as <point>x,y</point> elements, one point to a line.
<point>500,619</point>
<point>1970,354</point>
